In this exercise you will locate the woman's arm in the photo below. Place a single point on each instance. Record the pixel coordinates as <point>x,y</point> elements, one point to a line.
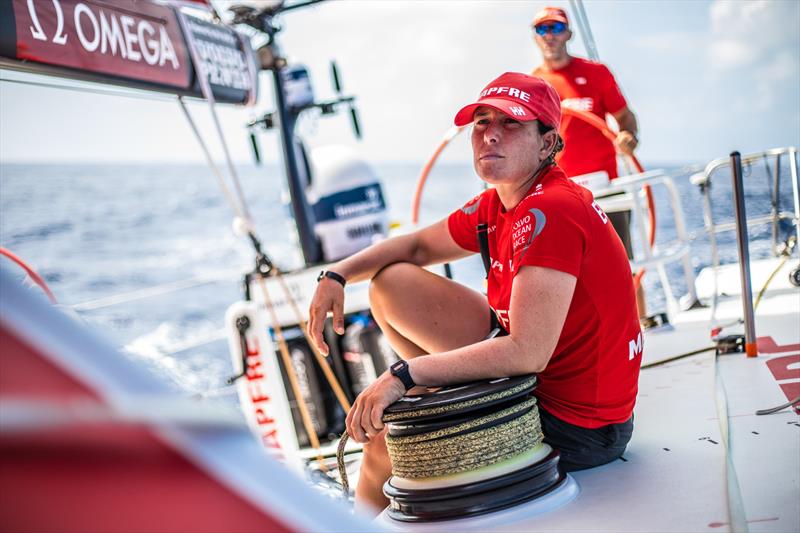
<point>540,299</point>
<point>427,246</point>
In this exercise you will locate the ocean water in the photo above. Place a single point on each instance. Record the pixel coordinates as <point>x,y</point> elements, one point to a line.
<point>146,254</point>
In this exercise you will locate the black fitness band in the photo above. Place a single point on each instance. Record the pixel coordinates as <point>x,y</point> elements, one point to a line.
<point>332,275</point>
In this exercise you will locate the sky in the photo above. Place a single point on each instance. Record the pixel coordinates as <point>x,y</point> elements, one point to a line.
<point>703,77</point>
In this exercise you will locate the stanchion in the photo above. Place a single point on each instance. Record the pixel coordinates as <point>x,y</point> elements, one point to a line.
<point>750,347</point>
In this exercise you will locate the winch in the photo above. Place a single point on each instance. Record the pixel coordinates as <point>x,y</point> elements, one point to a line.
<point>467,450</point>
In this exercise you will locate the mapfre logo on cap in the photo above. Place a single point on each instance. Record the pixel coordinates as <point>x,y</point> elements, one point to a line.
<point>510,91</point>
<point>513,92</point>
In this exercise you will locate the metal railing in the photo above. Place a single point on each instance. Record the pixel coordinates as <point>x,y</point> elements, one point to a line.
<point>661,254</point>
<point>704,181</point>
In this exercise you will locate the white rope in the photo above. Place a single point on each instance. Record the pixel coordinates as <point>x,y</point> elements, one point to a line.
<point>148,292</point>
<point>214,168</point>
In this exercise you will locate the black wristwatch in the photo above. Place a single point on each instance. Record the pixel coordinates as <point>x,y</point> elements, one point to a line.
<point>332,275</point>
<point>400,370</point>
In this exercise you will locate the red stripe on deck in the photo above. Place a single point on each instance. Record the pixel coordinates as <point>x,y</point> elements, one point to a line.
<point>785,369</point>
<point>768,345</point>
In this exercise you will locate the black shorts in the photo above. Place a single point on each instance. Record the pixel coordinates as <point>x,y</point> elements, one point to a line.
<point>580,447</point>
<point>584,447</point>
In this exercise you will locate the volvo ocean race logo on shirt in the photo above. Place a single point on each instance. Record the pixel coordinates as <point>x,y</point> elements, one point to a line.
<point>528,228</point>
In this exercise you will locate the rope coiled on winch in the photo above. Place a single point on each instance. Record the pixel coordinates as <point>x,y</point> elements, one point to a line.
<point>467,446</point>
<point>459,429</point>
<point>460,406</point>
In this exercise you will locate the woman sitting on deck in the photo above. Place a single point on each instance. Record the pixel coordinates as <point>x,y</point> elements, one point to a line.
<point>559,287</point>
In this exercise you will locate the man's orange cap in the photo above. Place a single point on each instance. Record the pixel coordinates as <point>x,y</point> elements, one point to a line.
<point>551,14</point>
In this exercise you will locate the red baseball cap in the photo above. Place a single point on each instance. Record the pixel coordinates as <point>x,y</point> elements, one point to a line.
<point>551,14</point>
<point>519,96</point>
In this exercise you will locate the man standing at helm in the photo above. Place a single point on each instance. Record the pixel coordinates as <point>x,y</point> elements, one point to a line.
<point>588,86</point>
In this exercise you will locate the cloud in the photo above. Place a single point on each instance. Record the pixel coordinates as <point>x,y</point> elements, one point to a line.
<point>670,42</point>
<point>757,42</point>
<point>752,33</point>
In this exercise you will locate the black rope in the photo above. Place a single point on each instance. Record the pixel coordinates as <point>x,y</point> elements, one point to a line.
<point>677,357</point>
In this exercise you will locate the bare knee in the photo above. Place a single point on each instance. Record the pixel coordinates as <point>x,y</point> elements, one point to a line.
<point>392,275</point>
<point>393,278</point>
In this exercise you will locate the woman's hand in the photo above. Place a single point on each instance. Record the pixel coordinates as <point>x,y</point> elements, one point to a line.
<point>328,298</point>
<point>364,419</point>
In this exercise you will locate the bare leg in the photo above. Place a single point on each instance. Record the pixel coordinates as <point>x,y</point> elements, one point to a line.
<point>375,470</point>
<point>420,313</point>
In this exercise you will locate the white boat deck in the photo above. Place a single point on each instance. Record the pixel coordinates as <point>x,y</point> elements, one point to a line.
<point>691,330</point>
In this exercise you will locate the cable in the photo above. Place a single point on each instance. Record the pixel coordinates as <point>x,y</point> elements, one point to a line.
<point>778,408</point>
<point>677,357</point>
<point>769,280</point>
<point>332,381</point>
<point>147,292</point>
<point>242,211</point>
<point>787,253</point>
<point>214,168</point>
<point>287,363</point>
<point>209,96</point>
